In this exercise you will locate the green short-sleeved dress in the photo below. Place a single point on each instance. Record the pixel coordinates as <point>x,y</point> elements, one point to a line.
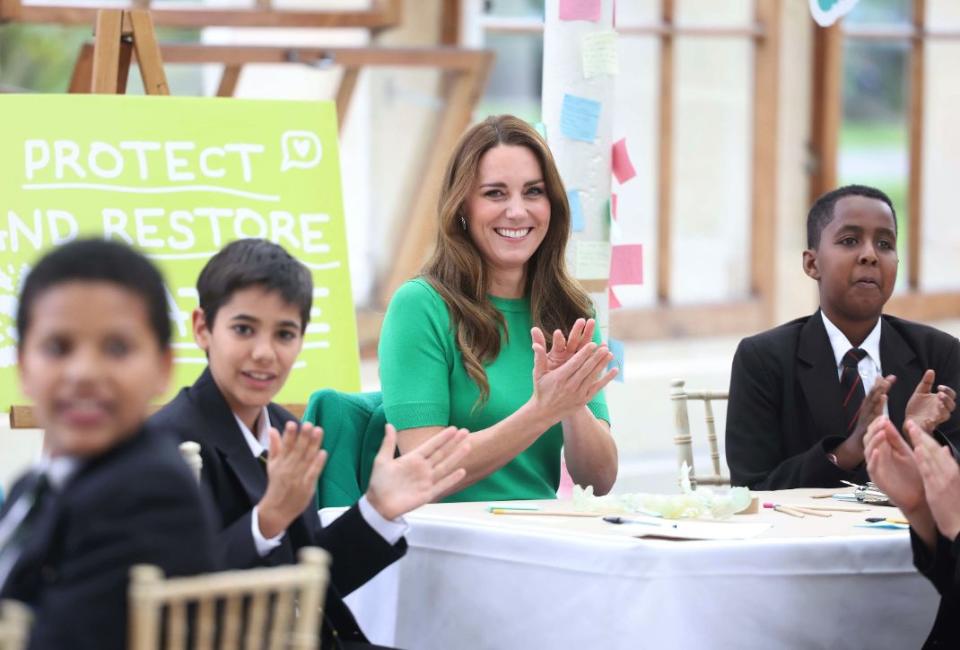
<point>425,384</point>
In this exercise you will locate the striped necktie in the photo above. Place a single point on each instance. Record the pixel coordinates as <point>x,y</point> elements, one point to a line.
<point>851,387</point>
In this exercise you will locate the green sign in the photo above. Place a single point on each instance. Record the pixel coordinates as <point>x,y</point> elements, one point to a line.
<point>179,178</point>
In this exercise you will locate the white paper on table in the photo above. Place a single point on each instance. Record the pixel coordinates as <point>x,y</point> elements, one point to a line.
<point>695,530</point>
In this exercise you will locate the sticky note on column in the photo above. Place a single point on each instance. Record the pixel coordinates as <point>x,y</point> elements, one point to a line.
<point>580,10</point>
<point>576,210</point>
<point>541,128</point>
<point>616,234</point>
<point>613,207</point>
<point>616,348</point>
<point>626,264</point>
<point>579,118</point>
<point>622,167</point>
<point>598,53</point>
<point>612,299</point>
<point>593,260</point>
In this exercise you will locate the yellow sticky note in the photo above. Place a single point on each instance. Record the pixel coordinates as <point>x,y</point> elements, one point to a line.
<point>599,53</point>
<point>593,260</point>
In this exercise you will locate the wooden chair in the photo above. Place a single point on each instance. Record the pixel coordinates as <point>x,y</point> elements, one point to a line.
<point>23,417</point>
<point>274,608</point>
<point>683,439</point>
<point>190,451</point>
<point>15,621</point>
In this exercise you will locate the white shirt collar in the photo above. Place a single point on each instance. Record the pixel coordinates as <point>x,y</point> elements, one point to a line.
<point>261,441</point>
<point>840,343</point>
<point>58,469</point>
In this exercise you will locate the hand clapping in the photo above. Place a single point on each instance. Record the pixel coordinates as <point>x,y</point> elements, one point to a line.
<point>562,349</point>
<point>399,485</point>
<point>928,409</point>
<point>293,466</point>
<point>941,480</point>
<point>891,465</point>
<point>562,389</point>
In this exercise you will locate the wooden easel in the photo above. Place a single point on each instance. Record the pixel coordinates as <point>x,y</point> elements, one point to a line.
<point>105,68</point>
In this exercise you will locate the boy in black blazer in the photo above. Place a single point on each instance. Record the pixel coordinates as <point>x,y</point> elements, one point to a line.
<point>802,394</point>
<point>254,308</point>
<point>94,349</point>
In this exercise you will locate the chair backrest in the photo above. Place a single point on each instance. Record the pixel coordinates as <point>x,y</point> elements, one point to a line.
<point>684,440</point>
<point>15,621</point>
<point>190,451</point>
<point>273,608</point>
<point>353,425</point>
<point>23,417</point>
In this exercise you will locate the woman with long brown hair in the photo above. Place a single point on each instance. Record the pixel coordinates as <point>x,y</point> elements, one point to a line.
<point>463,343</point>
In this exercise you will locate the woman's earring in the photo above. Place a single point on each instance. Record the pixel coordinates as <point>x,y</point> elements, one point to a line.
<point>463,222</point>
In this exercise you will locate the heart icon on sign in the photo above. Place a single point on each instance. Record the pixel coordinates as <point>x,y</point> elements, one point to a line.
<point>301,150</point>
<point>302,147</point>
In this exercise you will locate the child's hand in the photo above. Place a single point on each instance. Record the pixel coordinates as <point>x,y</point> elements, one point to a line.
<point>398,485</point>
<point>891,465</point>
<point>928,409</point>
<point>562,349</point>
<point>941,480</point>
<point>560,392</point>
<point>850,452</point>
<point>293,466</point>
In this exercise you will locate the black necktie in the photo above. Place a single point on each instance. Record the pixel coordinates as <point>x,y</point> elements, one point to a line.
<point>20,517</point>
<point>851,388</point>
<point>263,457</point>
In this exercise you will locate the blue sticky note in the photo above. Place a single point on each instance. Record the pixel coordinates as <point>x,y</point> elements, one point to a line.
<point>576,210</point>
<point>616,347</point>
<point>541,128</point>
<point>579,118</point>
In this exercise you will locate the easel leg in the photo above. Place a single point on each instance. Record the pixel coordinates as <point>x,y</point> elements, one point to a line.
<point>148,53</point>
<point>118,33</point>
<point>229,80</point>
<point>348,82</point>
<point>82,77</point>
<point>106,52</point>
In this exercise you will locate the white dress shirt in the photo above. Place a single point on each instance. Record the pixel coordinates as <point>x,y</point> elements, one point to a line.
<point>869,366</point>
<point>390,530</point>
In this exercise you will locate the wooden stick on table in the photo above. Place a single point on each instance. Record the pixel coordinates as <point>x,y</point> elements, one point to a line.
<point>542,513</point>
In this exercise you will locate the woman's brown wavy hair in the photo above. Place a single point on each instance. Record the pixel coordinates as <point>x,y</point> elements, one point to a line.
<point>457,271</point>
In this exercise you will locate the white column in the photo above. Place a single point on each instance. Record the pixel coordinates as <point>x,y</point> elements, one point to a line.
<point>584,166</point>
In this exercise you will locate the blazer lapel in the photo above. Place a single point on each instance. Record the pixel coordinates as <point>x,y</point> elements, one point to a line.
<point>227,438</point>
<point>817,373</point>
<point>40,539</point>
<point>897,358</point>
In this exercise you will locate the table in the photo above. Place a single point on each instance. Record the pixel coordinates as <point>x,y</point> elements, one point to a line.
<point>472,579</point>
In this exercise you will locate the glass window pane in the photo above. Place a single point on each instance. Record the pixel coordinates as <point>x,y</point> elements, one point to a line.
<point>940,230</point>
<point>516,79</point>
<point>880,12</point>
<point>713,135</point>
<point>514,8</point>
<point>873,135</point>
<point>729,13</point>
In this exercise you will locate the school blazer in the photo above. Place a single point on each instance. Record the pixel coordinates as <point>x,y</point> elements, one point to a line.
<point>785,409</point>
<point>237,482</point>
<point>136,504</point>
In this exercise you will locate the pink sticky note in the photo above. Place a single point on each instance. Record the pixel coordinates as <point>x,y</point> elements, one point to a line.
<point>622,167</point>
<point>612,299</point>
<point>626,264</point>
<point>580,10</point>
<point>613,206</point>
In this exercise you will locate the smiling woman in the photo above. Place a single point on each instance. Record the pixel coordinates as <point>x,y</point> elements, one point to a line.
<point>470,328</point>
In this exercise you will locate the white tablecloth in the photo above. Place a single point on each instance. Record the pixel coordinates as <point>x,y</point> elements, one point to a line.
<point>476,580</point>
